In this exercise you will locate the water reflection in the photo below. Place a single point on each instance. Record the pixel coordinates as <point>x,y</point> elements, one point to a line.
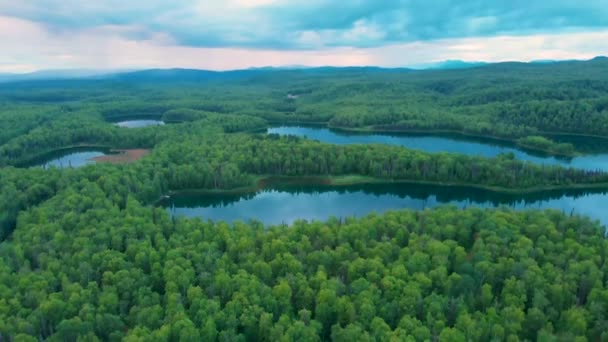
<point>284,204</point>
<point>72,157</point>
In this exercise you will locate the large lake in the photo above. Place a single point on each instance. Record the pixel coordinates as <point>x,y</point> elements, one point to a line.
<point>598,160</point>
<point>284,204</point>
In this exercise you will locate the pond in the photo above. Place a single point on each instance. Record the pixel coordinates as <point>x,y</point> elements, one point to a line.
<point>139,123</point>
<point>470,146</point>
<point>285,204</point>
<point>75,157</point>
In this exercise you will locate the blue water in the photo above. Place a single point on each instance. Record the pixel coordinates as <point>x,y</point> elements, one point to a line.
<point>74,159</point>
<point>431,143</point>
<point>285,205</point>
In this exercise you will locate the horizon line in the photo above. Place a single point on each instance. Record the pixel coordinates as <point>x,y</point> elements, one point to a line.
<point>418,67</point>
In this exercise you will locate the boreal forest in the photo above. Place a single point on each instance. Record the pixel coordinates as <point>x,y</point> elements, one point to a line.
<point>91,251</point>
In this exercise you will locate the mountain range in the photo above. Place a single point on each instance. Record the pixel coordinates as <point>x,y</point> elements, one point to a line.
<point>201,74</point>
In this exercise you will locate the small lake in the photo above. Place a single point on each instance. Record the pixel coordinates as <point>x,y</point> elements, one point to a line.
<point>139,123</point>
<point>452,144</point>
<point>285,204</point>
<point>68,158</point>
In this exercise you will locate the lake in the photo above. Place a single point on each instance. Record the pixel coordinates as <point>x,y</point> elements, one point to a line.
<point>469,146</point>
<point>285,204</point>
<point>138,123</point>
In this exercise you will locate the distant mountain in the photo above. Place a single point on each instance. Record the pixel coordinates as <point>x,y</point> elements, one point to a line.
<point>199,75</point>
<point>450,64</point>
<point>546,61</point>
<point>457,64</point>
<point>284,67</point>
<point>57,75</point>
<point>187,75</point>
<point>552,61</point>
<point>195,75</point>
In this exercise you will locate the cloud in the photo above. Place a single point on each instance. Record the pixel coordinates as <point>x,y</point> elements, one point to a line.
<point>574,45</point>
<point>228,34</point>
<point>29,46</point>
<point>315,24</point>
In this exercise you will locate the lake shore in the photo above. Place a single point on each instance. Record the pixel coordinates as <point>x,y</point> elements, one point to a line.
<point>48,154</point>
<point>266,182</point>
<point>441,132</point>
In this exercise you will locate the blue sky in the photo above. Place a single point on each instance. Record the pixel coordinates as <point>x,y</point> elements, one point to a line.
<point>227,34</point>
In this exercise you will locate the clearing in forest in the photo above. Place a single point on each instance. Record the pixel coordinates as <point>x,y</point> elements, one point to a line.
<point>122,156</point>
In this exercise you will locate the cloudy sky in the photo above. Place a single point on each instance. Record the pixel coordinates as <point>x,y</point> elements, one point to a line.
<point>230,34</point>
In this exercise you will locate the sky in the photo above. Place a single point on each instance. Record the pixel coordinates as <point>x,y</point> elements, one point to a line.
<point>236,34</point>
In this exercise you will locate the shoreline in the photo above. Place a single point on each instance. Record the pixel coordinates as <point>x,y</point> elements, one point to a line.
<point>72,148</point>
<point>267,182</point>
<point>427,131</point>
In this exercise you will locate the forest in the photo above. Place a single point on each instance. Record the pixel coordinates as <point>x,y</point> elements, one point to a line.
<point>445,274</point>
<point>511,101</point>
<point>222,162</point>
<point>86,254</point>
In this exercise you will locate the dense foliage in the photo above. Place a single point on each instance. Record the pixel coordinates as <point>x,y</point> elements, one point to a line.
<point>80,266</point>
<point>86,256</point>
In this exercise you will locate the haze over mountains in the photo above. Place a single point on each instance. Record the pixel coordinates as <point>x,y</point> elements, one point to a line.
<point>197,74</point>
<point>57,74</point>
